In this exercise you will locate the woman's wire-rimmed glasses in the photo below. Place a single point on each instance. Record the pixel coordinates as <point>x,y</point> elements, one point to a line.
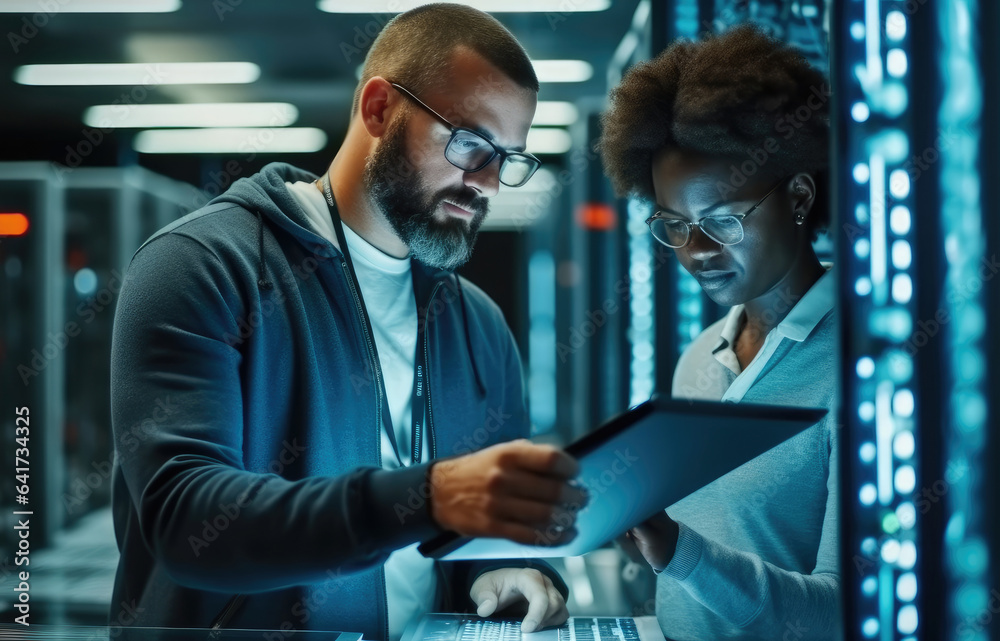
<point>725,230</point>
<point>471,151</point>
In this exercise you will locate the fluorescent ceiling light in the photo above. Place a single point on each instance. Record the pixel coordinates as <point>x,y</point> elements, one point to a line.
<point>91,6</point>
<point>562,70</point>
<point>555,113</point>
<point>492,6</point>
<point>153,73</point>
<point>230,141</point>
<point>548,141</point>
<point>219,114</point>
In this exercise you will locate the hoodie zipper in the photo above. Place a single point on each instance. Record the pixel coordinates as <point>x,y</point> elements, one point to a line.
<point>378,407</point>
<point>385,603</point>
<point>378,423</point>
<point>427,374</point>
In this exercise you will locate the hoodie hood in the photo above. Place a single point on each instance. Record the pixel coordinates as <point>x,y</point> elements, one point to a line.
<point>265,194</point>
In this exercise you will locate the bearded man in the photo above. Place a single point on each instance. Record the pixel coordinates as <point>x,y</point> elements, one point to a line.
<point>323,367</point>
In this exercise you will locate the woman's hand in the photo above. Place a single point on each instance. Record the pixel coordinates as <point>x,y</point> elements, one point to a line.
<point>656,538</point>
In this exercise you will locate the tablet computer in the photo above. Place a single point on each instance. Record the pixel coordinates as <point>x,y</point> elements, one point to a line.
<point>644,461</point>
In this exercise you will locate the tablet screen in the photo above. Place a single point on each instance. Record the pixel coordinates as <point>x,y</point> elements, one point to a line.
<point>642,462</point>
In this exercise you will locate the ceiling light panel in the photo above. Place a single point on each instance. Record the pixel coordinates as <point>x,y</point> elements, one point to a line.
<point>563,70</point>
<point>555,113</point>
<point>153,73</point>
<point>490,6</point>
<point>91,6</point>
<point>230,141</point>
<point>221,114</point>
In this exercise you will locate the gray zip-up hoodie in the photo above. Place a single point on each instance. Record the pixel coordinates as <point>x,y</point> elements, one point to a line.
<point>264,477</point>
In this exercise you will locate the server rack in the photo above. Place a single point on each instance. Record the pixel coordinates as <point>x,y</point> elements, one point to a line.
<point>912,187</point>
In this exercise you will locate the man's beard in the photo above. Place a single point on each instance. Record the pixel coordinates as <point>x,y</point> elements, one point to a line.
<point>394,185</point>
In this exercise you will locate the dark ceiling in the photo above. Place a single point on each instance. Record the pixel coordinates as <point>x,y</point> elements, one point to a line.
<point>307,57</point>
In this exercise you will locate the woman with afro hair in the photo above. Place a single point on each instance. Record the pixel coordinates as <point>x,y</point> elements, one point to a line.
<point>728,139</point>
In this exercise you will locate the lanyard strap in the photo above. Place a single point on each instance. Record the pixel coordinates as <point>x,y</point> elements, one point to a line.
<point>419,394</point>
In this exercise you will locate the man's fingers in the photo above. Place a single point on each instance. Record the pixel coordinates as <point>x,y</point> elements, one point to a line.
<point>658,521</point>
<point>527,512</point>
<point>545,459</point>
<point>485,493</point>
<point>641,533</point>
<point>651,526</point>
<point>485,595</point>
<point>554,536</point>
<point>533,486</point>
<point>630,546</point>
<point>519,533</point>
<point>530,583</point>
<point>527,485</point>
<point>486,603</point>
<point>510,590</point>
<point>557,613</point>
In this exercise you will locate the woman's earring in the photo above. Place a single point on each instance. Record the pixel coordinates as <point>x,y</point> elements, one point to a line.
<point>800,218</point>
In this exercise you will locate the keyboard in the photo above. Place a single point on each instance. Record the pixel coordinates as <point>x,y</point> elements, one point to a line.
<point>599,629</point>
<point>575,629</point>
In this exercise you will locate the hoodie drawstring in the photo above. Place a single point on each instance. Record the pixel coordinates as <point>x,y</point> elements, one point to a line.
<point>468,339</point>
<point>262,280</point>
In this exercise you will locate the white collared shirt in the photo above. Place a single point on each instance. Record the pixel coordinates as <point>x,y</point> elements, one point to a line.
<point>387,289</point>
<point>709,368</point>
<point>762,541</point>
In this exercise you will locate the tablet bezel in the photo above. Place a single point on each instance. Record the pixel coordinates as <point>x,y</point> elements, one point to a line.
<point>447,542</point>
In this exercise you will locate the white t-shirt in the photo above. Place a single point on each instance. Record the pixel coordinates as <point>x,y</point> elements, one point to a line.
<point>387,290</point>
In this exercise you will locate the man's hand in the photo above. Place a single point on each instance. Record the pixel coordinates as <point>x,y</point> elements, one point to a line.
<point>498,589</point>
<point>656,538</point>
<point>516,490</point>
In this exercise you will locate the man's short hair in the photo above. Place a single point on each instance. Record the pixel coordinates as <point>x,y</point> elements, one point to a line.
<point>415,48</point>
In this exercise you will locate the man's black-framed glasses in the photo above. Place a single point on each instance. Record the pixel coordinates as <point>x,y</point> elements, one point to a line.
<point>725,230</point>
<point>471,151</point>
